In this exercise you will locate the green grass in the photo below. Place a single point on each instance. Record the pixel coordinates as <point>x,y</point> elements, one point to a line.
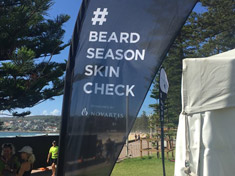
<point>143,167</point>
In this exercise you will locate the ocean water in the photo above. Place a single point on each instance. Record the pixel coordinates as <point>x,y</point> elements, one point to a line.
<point>14,134</point>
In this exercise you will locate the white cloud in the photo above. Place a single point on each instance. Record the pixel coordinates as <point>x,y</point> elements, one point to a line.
<point>44,112</point>
<point>55,112</point>
<point>5,113</point>
<point>1,113</point>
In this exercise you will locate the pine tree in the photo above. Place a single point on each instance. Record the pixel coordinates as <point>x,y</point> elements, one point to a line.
<point>141,123</point>
<point>217,27</point>
<point>144,122</point>
<point>28,41</point>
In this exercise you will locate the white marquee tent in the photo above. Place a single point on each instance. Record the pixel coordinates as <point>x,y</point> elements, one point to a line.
<point>205,144</point>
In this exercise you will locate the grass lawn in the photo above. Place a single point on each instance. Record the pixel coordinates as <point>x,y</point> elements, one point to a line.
<point>143,167</point>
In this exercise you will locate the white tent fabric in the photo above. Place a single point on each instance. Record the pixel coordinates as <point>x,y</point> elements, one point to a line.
<point>208,83</point>
<point>206,133</point>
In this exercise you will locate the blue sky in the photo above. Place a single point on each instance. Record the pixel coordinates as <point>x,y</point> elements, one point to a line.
<point>54,107</point>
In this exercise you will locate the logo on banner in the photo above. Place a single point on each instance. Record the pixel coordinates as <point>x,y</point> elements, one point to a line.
<point>99,16</point>
<point>84,112</point>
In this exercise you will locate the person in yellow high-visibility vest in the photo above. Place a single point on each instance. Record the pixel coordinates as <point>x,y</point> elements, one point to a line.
<point>52,157</point>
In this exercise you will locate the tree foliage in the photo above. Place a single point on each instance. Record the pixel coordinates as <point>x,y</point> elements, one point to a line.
<point>23,114</point>
<point>142,123</point>
<point>204,34</point>
<point>28,40</point>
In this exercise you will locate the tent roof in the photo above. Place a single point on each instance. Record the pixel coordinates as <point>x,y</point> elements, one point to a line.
<point>208,83</point>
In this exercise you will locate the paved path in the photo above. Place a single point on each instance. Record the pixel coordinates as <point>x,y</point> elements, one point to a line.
<point>42,173</point>
<point>134,150</point>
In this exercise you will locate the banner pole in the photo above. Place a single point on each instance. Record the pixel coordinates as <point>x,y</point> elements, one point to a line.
<point>127,113</point>
<point>162,130</point>
<point>163,89</point>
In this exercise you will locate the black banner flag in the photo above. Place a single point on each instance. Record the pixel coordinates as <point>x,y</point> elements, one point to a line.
<point>117,49</point>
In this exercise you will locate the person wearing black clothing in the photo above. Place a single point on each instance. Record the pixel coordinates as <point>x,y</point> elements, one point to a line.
<point>28,159</point>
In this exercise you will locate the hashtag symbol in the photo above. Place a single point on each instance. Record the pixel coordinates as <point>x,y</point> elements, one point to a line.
<point>99,16</point>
